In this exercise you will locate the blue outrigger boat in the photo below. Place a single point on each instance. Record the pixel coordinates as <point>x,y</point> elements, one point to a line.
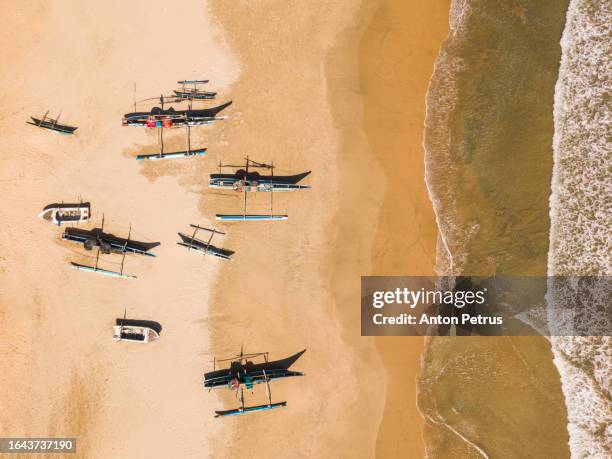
<point>244,373</point>
<point>168,121</point>
<point>245,181</point>
<point>106,243</point>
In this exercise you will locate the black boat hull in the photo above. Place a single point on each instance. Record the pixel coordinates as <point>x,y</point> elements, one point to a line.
<point>178,117</point>
<point>52,126</point>
<point>201,246</point>
<point>253,373</point>
<point>96,238</point>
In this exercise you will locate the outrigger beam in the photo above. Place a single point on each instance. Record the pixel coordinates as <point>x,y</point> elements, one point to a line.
<point>206,229</point>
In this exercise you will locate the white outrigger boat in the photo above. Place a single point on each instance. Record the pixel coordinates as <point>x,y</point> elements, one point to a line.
<point>134,333</point>
<point>66,213</point>
<point>137,331</point>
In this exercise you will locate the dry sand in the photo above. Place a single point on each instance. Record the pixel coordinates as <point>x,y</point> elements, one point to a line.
<point>62,373</point>
<point>292,70</point>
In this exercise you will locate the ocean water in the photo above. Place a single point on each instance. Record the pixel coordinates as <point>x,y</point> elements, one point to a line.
<point>581,213</point>
<point>489,165</point>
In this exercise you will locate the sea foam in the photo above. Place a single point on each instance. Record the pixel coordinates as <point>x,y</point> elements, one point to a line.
<point>440,166</point>
<point>581,212</point>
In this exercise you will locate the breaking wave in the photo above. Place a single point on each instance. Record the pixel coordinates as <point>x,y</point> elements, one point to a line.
<point>581,211</point>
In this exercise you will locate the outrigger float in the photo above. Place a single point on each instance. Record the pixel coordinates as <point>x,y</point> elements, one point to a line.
<point>51,124</point>
<point>59,213</point>
<point>244,373</point>
<point>245,181</point>
<point>106,243</point>
<point>191,242</point>
<point>173,155</point>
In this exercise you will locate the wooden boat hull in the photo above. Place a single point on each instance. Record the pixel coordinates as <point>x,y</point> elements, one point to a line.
<point>254,373</point>
<point>178,117</point>
<point>117,244</point>
<point>201,246</point>
<point>259,187</point>
<point>66,213</point>
<point>223,379</point>
<point>253,181</point>
<point>52,126</point>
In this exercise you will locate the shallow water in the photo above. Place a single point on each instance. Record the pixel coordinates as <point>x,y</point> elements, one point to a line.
<point>488,140</point>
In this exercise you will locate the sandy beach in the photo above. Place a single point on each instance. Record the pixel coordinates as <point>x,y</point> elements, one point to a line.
<point>63,374</point>
<point>313,89</point>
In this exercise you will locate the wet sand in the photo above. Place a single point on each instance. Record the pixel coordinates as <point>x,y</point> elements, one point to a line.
<point>306,293</point>
<point>396,56</point>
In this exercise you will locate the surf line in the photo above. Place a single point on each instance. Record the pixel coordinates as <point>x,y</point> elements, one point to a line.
<point>459,434</point>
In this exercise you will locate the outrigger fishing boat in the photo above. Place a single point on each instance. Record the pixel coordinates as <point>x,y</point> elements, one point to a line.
<point>59,213</point>
<point>245,181</point>
<point>51,124</point>
<point>191,242</point>
<point>159,117</point>
<point>244,373</point>
<point>193,93</point>
<point>172,155</point>
<point>106,243</point>
<point>135,331</point>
